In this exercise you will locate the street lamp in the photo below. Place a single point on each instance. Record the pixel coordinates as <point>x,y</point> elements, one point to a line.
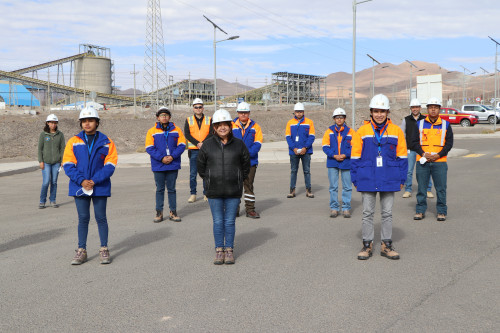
<point>496,71</point>
<point>411,71</point>
<point>484,77</point>
<point>215,56</point>
<point>463,84</point>
<point>353,101</point>
<point>373,72</point>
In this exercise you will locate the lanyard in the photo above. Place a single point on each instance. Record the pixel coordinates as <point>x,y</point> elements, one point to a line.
<point>298,127</point>
<point>379,137</point>
<point>165,133</point>
<point>90,146</point>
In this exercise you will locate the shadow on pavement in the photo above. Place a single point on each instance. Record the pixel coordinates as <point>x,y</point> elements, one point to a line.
<point>263,205</point>
<point>249,240</point>
<point>138,240</point>
<point>39,237</point>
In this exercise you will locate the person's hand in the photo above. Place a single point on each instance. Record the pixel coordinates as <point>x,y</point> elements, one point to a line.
<point>167,159</point>
<point>433,158</point>
<point>87,184</point>
<point>295,150</point>
<point>401,186</point>
<point>304,150</point>
<point>42,165</point>
<point>427,156</point>
<point>199,145</point>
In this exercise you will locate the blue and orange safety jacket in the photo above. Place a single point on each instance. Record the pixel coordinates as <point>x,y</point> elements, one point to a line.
<point>97,165</point>
<point>370,173</point>
<point>300,134</point>
<point>434,138</point>
<point>337,141</point>
<point>251,134</point>
<point>162,142</point>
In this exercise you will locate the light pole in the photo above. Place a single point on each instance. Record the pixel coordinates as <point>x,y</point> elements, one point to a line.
<point>411,72</point>
<point>373,72</point>
<point>484,78</point>
<point>353,101</point>
<point>215,56</point>
<point>496,71</point>
<point>463,84</point>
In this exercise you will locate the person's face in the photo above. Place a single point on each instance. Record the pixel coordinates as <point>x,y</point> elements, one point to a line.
<point>89,125</point>
<point>198,109</point>
<point>379,115</point>
<point>52,125</point>
<point>415,110</point>
<point>299,114</point>
<point>163,118</point>
<point>339,120</point>
<point>222,129</point>
<point>433,110</point>
<point>243,116</point>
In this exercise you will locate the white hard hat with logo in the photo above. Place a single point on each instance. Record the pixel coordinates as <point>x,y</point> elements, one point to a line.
<point>433,101</point>
<point>339,112</point>
<point>243,107</point>
<point>52,117</point>
<point>379,101</point>
<point>298,107</point>
<point>415,102</point>
<point>88,112</point>
<point>197,101</point>
<point>221,116</point>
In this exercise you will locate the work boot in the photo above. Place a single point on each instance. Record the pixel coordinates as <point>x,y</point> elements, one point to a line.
<point>309,194</point>
<point>158,217</point>
<point>173,216</point>
<point>80,257</point>
<point>407,194</point>
<point>219,256</point>
<point>430,195</point>
<point>54,205</point>
<point>192,198</point>
<point>228,256</point>
<point>441,217</point>
<point>41,205</point>
<point>253,214</point>
<point>347,214</point>
<point>366,251</point>
<point>387,250</point>
<point>419,216</point>
<point>334,213</point>
<point>292,193</point>
<point>104,255</point>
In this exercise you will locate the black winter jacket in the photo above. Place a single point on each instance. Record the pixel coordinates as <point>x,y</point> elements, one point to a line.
<point>223,167</point>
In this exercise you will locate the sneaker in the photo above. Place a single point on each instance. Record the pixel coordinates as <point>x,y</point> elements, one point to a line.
<point>441,217</point>
<point>205,198</point>
<point>253,214</point>
<point>406,194</point>
<point>228,256</point>
<point>291,194</point>
<point>54,205</point>
<point>309,194</point>
<point>388,251</point>
<point>192,198</point>
<point>347,214</point>
<point>173,216</point>
<point>334,213</point>
<point>419,216</point>
<point>366,251</point>
<point>104,255</point>
<point>80,257</point>
<point>158,217</point>
<point>219,256</point>
<point>430,195</point>
<point>41,205</point>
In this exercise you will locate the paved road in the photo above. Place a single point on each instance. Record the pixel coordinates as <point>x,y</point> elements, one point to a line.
<point>295,271</point>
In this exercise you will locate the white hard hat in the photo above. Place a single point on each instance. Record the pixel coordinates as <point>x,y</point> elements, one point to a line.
<point>221,116</point>
<point>52,117</point>
<point>433,101</point>
<point>197,101</point>
<point>88,112</point>
<point>415,102</point>
<point>339,112</point>
<point>298,107</point>
<point>243,107</point>
<point>379,101</point>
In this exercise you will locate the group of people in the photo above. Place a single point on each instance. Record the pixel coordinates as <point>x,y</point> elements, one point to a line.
<point>224,152</point>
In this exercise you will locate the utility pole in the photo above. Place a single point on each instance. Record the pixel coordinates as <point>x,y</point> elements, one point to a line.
<point>324,102</point>
<point>189,88</point>
<point>464,95</point>
<point>266,94</point>
<point>496,73</point>
<point>135,100</point>
<point>48,89</point>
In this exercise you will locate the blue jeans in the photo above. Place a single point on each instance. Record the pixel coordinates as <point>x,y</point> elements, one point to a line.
<point>412,159</point>
<point>49,173</point>
<point>83,209</point>
<point>333,176</point>
<point>224,215</point>
<point>306,167</point>
<point>193,170</point>
<point>167,178</point>
<point>438,171</point>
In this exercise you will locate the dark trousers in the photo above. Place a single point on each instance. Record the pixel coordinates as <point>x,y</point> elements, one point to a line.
<point>83,210</point>
<point>438,171</point>
<point>167,178</point>
<point>193,170</point>
<point>249,195</point>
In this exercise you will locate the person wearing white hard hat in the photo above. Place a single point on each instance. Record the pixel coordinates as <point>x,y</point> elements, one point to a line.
<point>196,129</point>
<point>300,137</point>
<point>250,132</point>
<point>337,147</point>
<point>432,142</point>
<point>378,165</point>
<point>50,153</point>
<point>409,126</point>
<point>89,161</point>
<point>224,164</point>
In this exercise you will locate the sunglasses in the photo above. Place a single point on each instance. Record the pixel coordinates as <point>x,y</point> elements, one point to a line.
<point>198,107</point>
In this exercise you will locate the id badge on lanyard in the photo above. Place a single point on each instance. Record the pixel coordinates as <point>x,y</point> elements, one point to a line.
<point>380,163</point>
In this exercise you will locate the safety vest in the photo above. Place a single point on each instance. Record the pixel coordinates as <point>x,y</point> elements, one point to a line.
<point>198,133</point>
<point>433,136</point>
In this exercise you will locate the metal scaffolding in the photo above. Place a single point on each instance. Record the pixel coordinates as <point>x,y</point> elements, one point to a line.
<point>290,88</point>
<point>185,91</point>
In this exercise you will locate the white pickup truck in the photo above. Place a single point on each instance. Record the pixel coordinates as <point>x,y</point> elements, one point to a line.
<point>485,113</point>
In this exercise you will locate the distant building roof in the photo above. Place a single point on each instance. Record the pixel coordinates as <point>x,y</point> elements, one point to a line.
<point>19,94</point>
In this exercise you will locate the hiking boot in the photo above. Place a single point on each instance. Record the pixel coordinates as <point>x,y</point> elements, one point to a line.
<point>334,213</point>
<point>205,198</point>
<point>366,251</point>
<point>419,216</point>
<point>430,195</point>
<point>54,205</point>
<point>41,205</point>
<point>441,217</point>
<point>228,256</point>
<point>80,257</point>
<point>158,217</point>
<point>104,255</point>
<point>253,214</point>
<point>406,194</point>
<point>292,193</point>
<point>192,198</point>
<point>309,194</point>
<point>219,256</point>
<point>347,214</point>
<point>388,251</point>
<point>173,216</point>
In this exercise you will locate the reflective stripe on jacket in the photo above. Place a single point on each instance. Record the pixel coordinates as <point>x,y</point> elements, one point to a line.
<point>333,146</point>
<point>156,146</point>
<point>433,136</point>
<point>251,136</point>
<point>198,133</point>
<point>300,134</point>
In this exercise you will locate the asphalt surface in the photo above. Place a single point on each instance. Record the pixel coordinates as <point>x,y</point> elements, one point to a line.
<point>296,268</point>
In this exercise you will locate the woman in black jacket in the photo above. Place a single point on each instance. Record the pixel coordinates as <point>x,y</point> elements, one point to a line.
<point>223,163</point>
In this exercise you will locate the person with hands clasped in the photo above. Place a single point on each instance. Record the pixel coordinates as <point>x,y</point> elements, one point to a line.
<point>337,147</point>
<point>165,144</point>
<point>89,161</point>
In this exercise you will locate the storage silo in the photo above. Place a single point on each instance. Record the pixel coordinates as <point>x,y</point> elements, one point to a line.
<point>93,73</point>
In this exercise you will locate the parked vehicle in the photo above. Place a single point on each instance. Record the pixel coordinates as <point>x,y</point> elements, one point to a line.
<point>484,112</point>
<point>454,117</point>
